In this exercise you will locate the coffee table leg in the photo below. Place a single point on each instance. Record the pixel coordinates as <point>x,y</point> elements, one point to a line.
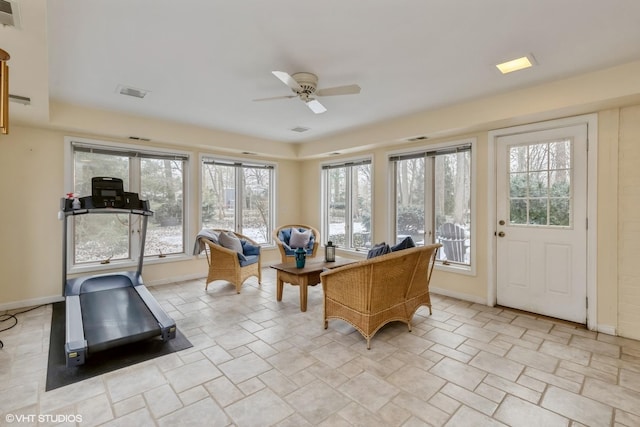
<point>279,286</point>
<point>303,295</point>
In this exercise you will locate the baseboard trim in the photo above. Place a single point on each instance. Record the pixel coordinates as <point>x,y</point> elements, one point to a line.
<point>607,329</point>
<point>58,298</point>
<point>30,302</point>
<point>458,295</point>
<point>173,280</point>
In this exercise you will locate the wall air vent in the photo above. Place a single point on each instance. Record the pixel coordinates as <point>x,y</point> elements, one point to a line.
<point>9,14</point>
<point>24,100</point>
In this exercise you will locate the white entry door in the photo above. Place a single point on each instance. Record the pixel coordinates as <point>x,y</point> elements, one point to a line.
<point>541,247</point>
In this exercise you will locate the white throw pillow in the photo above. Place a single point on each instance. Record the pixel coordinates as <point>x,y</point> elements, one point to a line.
<point>299,239</point>
<point>230,241</point>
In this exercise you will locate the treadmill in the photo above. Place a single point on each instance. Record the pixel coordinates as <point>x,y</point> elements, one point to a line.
<point>113,309</point>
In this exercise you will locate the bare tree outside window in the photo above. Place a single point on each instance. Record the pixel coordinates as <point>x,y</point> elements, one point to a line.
<point>101,238</point>
<point>433,200</point>
<point>348,204</point>
<point>237,196</point>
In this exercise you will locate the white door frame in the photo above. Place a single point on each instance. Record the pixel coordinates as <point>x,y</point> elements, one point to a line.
<point>591,120</point>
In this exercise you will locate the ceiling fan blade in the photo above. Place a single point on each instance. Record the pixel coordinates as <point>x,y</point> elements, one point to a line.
<point>276,97</point>
<point>288,80</point>
<point>339,90</point>
<point>315,106</point>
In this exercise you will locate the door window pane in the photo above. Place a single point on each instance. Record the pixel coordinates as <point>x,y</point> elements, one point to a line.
<point>518,211</point>
<point>540,183</point>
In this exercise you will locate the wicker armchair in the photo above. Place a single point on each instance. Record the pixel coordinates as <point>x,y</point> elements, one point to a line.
<point>371,293</point>
<point>282,234</point>
<point>228,264</point>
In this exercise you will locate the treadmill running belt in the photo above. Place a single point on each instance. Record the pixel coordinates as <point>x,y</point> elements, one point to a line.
<point>115,317</point>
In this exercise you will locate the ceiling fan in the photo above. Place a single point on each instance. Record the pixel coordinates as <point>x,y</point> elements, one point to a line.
<point>304,86</point>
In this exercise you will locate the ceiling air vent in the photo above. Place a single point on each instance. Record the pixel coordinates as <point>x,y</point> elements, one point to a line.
<point>417,138</point>
<point>9,14</point>
<point>130,91</point>
<point>300,129</point>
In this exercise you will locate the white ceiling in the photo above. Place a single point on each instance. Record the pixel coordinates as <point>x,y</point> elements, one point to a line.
<point>204,61</point>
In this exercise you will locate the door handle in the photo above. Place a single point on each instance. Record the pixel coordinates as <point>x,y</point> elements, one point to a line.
<point>501,234</point>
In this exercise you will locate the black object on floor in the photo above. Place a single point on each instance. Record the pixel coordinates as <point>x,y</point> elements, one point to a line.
<point>58,375</point>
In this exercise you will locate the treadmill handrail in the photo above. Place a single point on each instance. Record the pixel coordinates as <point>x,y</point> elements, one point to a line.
<point>107,211</point>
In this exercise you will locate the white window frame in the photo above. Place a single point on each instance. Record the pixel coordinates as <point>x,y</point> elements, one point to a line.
<point>237,161</point>
<point>451,267</point>
<point>134,177</point>
<point>324,179</point>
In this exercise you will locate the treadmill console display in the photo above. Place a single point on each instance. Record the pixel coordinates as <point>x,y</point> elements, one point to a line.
<point>107,192</point>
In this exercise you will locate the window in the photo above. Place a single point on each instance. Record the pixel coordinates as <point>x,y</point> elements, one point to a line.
<point>157,177</point>
<point>347,204</point>
<point>238,196</point>
<point>539,184</point>
<point>432,199</point>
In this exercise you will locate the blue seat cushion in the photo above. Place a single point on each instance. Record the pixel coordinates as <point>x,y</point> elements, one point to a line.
<point>248,259</point>
<point>249,249</point>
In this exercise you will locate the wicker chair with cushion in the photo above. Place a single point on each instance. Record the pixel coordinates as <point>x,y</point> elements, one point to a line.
<point>231,256</point>
<point>386,288</point>
<point>291,236</point>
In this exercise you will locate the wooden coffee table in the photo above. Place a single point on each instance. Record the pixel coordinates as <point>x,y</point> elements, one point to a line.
<point>309,275</point>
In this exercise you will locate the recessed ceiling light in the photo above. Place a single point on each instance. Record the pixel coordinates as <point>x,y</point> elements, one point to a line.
<point>131,91</point>
<point>516,64</point>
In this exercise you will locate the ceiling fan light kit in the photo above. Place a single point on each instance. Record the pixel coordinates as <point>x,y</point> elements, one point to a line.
<point>304,86</point>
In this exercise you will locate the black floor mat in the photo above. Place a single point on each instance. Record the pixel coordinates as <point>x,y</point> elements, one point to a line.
<point>58,375</point>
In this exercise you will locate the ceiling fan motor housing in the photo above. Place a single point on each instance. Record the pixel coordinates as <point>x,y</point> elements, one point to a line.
<point>307,81</point>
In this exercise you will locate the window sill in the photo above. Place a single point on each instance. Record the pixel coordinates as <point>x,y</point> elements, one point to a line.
<point>468,270</point>
<point>123,265</point>
<point>455,268</point>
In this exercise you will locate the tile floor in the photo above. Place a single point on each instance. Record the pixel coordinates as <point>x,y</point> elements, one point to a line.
<point>257,362</point>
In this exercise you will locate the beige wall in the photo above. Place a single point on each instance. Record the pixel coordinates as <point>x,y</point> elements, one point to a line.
<point>32,182</point>
<point>618,295</point>
<point>629,223</point>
